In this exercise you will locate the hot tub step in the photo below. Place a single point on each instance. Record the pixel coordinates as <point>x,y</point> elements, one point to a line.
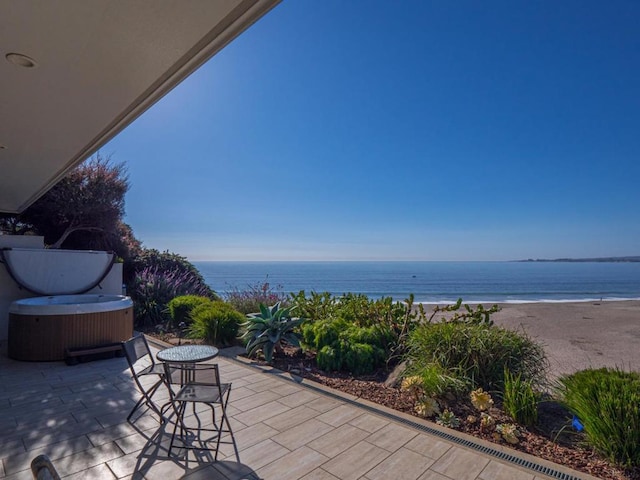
<point>73,356</point>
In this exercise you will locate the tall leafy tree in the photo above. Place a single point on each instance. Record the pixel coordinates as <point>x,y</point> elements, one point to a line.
<point>82,211</point>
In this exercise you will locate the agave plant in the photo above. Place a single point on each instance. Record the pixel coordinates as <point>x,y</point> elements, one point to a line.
<point>268,329</point>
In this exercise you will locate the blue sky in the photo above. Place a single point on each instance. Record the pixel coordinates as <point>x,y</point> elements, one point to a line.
<point>412,130</point>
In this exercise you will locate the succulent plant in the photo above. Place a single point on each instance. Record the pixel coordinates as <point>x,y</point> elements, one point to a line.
<point>472,420</point>
<point>427,407</point>
<point>268,329</point>
<point>486,422</point>
<point>411,384</point>
<point>481,399</point>
<point>448,419</point>
<point>509,432</point>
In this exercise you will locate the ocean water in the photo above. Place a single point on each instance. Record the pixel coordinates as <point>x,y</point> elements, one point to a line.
<point>438,282</point>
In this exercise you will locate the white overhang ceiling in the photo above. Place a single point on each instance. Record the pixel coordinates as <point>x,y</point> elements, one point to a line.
<point>99,65</point>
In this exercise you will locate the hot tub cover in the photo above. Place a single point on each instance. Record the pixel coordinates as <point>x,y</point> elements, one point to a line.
<point>56,272</point>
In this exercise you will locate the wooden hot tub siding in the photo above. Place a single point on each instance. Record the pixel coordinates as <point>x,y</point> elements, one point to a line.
<point>45,337</point>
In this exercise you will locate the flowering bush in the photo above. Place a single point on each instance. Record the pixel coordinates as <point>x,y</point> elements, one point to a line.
<point>249,300</point>
<point>153,288</point>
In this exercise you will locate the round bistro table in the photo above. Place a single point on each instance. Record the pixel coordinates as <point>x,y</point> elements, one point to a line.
<point>187,354</point>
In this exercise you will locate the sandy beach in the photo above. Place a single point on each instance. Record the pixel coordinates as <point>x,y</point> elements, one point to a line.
<point>580,335</point>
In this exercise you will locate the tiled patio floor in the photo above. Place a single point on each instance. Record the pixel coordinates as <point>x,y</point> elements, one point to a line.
<point>76,415</point>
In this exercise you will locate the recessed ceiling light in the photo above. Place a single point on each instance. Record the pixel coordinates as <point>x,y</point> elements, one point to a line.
<point>21,60</point>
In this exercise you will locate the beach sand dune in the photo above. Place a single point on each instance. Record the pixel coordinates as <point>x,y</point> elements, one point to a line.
<point>579,335</point>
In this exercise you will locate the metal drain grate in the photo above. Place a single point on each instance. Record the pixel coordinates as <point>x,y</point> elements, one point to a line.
<point>507,457</point>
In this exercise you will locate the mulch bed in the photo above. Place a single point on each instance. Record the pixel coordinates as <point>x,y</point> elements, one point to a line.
<point>552,438</point>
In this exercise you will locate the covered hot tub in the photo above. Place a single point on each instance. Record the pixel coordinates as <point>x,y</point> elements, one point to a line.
<point>42,328</point>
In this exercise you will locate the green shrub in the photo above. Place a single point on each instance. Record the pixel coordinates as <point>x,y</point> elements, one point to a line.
<point>436,381</point>
<point>343,345</point>
<point>316,306</point>
<point>377,335</point>
<point>361,358</point>
<point>323,333</point>
<point>476,354</point>
<point>607,402</point>
<point>520,400</point>
<point>329,358</point>
<point>216,322</point>
<point>180,307</point>
<point>385,323</point>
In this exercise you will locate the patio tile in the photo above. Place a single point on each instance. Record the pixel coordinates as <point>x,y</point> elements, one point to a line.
<point>291,418</point>
<point>286,388</point>
<point>262,412</point>
<point>99,472</point>
<point>266,384</point>
<point>431,475</point>
<point>128,465</point>
<point>283,430</point>
<point>402,465</point>
<point>239,393</point>
<point>22,461</point>
<point>52,405</point>
<point>392,437</point>
<point>319,474</point>
<point>369,423</point>
<point>301,397</point>
<point>460,464</point>
<point>136,441</point>
<point>263,453</point>
<point>86,459</point>
<point>429,446</point>
<point>231,471</point>
<point>338,440</point>
<point>302,434</point>
<point>206,472</point>
<point>162,471</point>
<point>500,471</point>
<point>293,465</point>
<point>38,422</point>
<point>12,446</point>
<point>254,401</point>
<point>30,397</point>
<point>42,438</point>
<point>23,475</point>
<point>253,434</point>
<point>357,460</point>
<point>323,404</point>
<point>340,415</point>
<point>110,434</point>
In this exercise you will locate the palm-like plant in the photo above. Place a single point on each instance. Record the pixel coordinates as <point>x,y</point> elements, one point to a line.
<point>268,329</point>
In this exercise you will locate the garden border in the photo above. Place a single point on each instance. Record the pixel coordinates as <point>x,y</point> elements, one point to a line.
<point>520,459</point>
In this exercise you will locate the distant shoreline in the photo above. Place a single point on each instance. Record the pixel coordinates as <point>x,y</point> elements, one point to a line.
<point>531,301</point>
<point>632,259</point>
